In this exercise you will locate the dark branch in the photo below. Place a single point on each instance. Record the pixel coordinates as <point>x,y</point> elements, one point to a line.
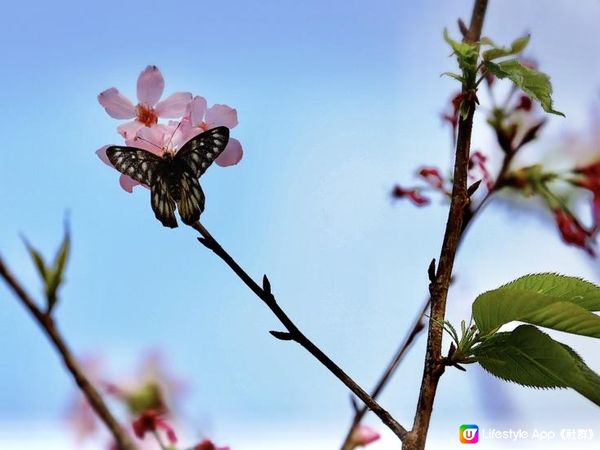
<point>295,334</point>
<point>47,324</point>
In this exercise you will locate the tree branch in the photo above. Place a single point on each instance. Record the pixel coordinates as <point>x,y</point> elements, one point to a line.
<point>295,334</point>
<point>418,327</point>
<point>459,203</point>
<point>47,324</point>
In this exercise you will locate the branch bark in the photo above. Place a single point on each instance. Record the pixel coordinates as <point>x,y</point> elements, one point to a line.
<point>459,204</point>
<point>468,217</point>
<point>47,324</point>
<point>294,334</point>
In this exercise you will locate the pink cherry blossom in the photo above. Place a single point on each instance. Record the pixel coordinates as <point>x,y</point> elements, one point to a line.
<point>201,118</point>
<point>150,86</point>
<point>363,435</point>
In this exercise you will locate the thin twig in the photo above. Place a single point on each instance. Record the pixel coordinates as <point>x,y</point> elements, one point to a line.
<point>47,324</point>
<point>459,204</point>
<point>294,334</point>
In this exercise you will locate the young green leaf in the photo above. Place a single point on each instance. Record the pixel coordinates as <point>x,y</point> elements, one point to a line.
<point>38,260</point>
<point>548,300</point>
<point>533,83</point>
<point>456,76</point>
<point>467,55</point>
<point>529,357</point>
<point>56,273</point>
<point>496,52</point>
<point>60,260</point>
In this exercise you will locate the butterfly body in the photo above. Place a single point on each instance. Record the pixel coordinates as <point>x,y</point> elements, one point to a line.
<point>173,177</point>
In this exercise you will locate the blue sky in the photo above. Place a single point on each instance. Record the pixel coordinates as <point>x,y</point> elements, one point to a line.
<point>336,101</point>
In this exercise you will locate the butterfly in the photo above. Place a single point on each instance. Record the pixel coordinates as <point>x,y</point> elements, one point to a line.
<point>173,178</point>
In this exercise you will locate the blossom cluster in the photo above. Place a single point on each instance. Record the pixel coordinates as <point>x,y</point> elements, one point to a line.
<point>149,398</point>
<point>189,116</point>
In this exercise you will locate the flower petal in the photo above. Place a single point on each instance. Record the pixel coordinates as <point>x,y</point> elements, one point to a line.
<point>171,436</point>
<point>150,86</point>
<point>231,155</point>
<point>128,183</point>
<point>221,116</point>
<point>154,139</point>
<point>174,106</point>
<point>187,130</point>
<point>197,110</point>
<point>129,130</point>
<point>101,152</point>
<point>116,104</point>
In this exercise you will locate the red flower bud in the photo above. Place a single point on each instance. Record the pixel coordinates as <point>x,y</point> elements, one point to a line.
<point>432,177</point>
<point>571,231</point>
<point>412,194</point>
<point>150,421</point>
<point>524,104</point>
<point>478,161</point>
<point>208,445</point>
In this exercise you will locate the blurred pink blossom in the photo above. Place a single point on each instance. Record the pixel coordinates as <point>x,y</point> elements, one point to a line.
<point>413,194</point>
<point>151,421</point>
<point>80,414</point>
<point>150,86</point>
<point>363,435</point>
<point>478,169</point>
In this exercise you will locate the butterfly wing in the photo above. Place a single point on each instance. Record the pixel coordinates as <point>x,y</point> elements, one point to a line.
<point>190,199</point>
<point>139,164</point>
<point>162,201</point>
<point>200,151</point>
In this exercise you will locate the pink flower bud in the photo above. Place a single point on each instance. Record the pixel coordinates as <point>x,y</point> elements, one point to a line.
<point>363,435</point>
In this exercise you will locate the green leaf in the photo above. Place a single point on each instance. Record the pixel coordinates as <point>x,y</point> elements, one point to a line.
<point>60,261</point>
<point>548,300</point>
<point>529,357</point>
<point>572,289</point>
<point>453,75</point>
<point>467,54</point>
<point>495,52</point>
<point>533,83</point>
<point>56,273</point>
<point>38,260</point>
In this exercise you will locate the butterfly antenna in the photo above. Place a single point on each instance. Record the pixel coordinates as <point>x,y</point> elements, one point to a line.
<point>146,140</point>
<point>173,134</point>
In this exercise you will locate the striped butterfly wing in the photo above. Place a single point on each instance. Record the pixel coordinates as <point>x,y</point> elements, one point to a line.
<point>161,199</point>
<point>151,170</point>
<point>200,151</point>
<point>138,164</point>
<point>190,198</point>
